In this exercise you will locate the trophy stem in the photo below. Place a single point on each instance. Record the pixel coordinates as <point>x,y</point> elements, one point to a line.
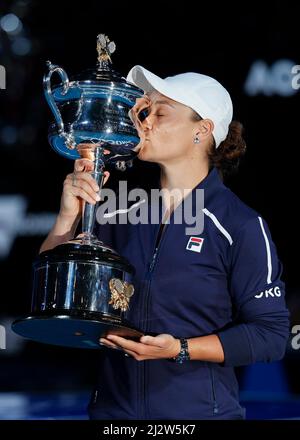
<point>89,210</point>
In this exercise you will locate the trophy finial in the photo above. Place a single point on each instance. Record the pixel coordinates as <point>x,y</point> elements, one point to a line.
<point>105,48</point>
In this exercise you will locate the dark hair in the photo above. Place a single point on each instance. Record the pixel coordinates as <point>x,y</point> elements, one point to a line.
<point>226,158</point>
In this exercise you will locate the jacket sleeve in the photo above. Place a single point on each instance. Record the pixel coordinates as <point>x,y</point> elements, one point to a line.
<point>260,327</point>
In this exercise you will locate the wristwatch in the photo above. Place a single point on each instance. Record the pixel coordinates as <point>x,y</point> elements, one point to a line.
<point>183,355</point>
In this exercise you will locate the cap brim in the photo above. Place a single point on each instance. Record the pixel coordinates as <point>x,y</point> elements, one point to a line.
<point>147,81</point>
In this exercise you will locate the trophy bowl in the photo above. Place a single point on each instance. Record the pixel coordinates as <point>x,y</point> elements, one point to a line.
<point>82,288</point>
<point>93,107</point>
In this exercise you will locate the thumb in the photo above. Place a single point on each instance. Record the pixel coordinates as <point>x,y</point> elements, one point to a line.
<point>146,339</point>
<point>160,341</point>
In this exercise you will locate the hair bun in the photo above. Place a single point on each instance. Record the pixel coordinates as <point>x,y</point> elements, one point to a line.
<point>227,156</point>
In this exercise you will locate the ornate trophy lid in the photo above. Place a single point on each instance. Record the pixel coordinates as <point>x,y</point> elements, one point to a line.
<point>103,70</point>
<point>105,48</point>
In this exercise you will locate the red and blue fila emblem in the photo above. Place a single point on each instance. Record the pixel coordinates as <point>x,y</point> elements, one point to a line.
<point>195,244</point>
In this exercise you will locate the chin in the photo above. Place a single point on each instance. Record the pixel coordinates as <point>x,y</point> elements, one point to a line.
<point>142,155</point>
<point>145,157</point>
<point>147,154</point>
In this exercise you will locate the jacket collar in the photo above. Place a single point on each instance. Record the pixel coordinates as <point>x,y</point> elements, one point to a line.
<point>211,184</point>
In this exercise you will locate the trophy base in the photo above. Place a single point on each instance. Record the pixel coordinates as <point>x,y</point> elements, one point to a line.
<point>80,329</point>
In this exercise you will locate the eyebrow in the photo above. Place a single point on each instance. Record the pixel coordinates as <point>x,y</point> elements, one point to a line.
<point>164,102</point>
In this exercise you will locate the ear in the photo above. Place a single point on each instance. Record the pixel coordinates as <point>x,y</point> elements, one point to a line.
<point>204,128</point>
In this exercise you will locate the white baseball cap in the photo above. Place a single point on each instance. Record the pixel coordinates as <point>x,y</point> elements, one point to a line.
<point>203,94</point>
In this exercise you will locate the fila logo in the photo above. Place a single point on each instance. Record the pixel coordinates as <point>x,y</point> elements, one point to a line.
<point>195,244</point>
<point>274,291</point>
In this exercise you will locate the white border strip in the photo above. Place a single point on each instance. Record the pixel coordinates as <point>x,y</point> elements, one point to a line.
<point>218,225</point>
<point>269,281</point>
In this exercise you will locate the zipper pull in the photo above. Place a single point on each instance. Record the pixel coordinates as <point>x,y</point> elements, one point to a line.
<point>216,408</point>
<point>153,261</point>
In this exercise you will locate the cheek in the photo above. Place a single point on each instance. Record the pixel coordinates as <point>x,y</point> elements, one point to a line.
<point>168,131</point>
<point>175,136</point>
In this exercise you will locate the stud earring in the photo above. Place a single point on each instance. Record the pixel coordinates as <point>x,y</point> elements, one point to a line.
<point>196,140</point>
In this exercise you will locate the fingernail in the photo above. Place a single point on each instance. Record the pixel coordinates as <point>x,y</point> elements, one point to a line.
<point>97,197</point>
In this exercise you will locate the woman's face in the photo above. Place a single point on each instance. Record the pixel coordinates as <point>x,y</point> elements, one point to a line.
<point>168,131</point>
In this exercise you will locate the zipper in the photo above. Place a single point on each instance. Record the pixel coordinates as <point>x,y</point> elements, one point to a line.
<point>215,404</point>
<point>142,380</point>
<point>151,267</point>
<point>158,241</point>
<point>159,238</point>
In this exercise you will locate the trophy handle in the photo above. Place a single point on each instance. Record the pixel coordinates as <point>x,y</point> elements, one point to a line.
<point>48,93</point>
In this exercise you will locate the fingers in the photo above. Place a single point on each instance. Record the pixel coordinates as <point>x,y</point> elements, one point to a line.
<point>86,164</point>
<point>127,344</point>
<point>106,177</point>
<point>76,191</point>
<point>81,177</point>
<point>83,165</point>
<point>147,340</point>
<point>83,168</point>
<point>88,178</point>
<point>134,114</point>
<point>136,351</point>
<point>107,343</point>
<point>82,186</point>
<point>163,340</point>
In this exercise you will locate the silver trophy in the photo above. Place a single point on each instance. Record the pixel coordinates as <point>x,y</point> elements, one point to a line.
<point>82,288</point>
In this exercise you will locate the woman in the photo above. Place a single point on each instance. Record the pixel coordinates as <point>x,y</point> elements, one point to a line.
<point>207,302</point>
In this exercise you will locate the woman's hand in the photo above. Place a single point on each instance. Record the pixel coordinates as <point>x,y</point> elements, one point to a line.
<point>163,346</point>
<point>79,186</point>
<point>141,105</point>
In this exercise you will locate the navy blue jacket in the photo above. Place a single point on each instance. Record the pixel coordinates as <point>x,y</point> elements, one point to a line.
<point>231,288</point>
